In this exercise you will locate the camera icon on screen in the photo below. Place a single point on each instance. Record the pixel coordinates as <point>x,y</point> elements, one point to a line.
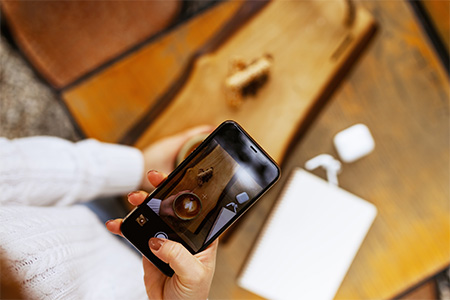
<point>141,220</point>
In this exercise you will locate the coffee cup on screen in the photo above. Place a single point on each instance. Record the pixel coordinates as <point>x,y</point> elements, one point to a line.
<point>187,206</point>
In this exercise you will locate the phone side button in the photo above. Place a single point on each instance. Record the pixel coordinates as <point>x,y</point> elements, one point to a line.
<point>161,235</point>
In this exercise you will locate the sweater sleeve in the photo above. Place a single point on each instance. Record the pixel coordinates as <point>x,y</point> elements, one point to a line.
<point>52,171</point>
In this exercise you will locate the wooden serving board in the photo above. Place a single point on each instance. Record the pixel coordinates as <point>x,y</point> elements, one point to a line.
<point>107,104</point>
<point>209,192</point>
<point>310,45</point>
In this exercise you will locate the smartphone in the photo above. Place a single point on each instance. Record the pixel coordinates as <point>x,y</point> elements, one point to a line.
<point>225,175</point>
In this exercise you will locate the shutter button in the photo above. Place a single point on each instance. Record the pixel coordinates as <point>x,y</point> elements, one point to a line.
<point>161,235</point>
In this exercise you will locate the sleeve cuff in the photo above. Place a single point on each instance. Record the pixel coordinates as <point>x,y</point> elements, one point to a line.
<point>124,168</point>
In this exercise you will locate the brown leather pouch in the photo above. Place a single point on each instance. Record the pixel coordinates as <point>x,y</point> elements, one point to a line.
<point>65,40</point>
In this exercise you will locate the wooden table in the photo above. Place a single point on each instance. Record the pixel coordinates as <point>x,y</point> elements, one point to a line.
<point>401,92</point>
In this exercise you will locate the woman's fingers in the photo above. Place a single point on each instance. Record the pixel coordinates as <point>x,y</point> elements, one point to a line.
<point>180,260</point>
<point>137,197</point>
<point>156,178</point>
<point>114,226</point>
<point>188,267</point>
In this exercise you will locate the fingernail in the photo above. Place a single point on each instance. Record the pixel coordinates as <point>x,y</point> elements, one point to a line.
<point>107,222</point>
<point>155,243</point>
<point>132,193</point>
<point>152,171</point>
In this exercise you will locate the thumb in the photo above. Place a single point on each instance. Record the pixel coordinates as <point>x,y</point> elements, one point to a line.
<point>184,264</point>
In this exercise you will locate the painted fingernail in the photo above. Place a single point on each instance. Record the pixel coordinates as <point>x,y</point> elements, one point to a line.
<point>132,193</point>
<point>155,243</point>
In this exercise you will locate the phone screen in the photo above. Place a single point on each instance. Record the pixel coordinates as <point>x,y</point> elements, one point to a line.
<point>213,187</point>
<point>210,189</point>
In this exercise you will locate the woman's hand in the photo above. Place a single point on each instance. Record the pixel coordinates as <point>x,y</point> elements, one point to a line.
<point>161,155</point>
<point>193,273</point>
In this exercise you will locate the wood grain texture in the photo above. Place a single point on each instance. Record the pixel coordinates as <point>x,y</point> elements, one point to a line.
<point>301,72</point>
<point>210,191</point>
<point>427,291</point>
<point>108,103</point>
<point>320,44</point>
<point>401,92</point>
<point>439,12</point>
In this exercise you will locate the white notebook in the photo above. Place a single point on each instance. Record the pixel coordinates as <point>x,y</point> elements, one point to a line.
<point>308,242</point>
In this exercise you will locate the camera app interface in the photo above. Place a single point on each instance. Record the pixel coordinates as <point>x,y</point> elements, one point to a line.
<point>208,192</point>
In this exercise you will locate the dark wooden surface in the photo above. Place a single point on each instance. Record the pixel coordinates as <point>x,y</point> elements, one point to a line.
<point>426,291</point>
<point>439,13</point>
<point>65,40</point>
<point>321,44</point>
<point>401,92</point>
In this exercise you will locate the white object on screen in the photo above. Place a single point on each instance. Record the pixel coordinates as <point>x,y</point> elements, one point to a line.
<point>354,143</point>
<point>242,197</point>
<point>225,215</point>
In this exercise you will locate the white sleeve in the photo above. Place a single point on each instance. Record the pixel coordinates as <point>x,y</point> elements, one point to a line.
<point>52,171</point>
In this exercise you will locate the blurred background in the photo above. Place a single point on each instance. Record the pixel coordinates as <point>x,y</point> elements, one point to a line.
<point>381,63</point>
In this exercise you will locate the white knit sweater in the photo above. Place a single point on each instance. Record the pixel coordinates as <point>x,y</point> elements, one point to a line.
<point>56,249</point>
